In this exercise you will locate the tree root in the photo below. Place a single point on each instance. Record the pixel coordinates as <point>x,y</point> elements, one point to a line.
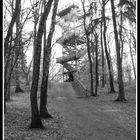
<point>121,100</point>
<point>36,124</point>
<point>45,115</point>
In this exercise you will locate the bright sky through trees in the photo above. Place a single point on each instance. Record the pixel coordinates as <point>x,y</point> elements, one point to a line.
<point>57,49</point>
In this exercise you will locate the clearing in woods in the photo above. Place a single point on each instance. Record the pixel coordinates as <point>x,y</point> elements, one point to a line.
<point>75,117</point>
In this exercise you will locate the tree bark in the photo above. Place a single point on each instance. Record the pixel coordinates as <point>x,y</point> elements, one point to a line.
<point>13,20</point>
<point>6,48</point>
<point>120,33</point>
<point>27,80</point>
<point>17,53</point>
<point>103,69</point>
<point>96,52</point>
<point>8,89</point>
<point>35,117</point>
<point>89,52</point>
<point>112,90</point>
<point>121,96</point>
<point>132,57</point>
<point>46,62</point>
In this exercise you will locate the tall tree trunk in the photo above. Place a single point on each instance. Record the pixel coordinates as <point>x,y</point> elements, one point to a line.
<point>8,88</point>
<point>121,96</point>
<point>89,51</point>
<point>132,57</point>
<point>35,118</point>
<point>13,20</point>
<point>105,71</point>
<point>112,90</point>
<point>9,77</point>
<point>96,52</point>
<point>6,48</point>
<point>46,62</point>
<point>17,52</point>
<point>6,74</point>
<point>120,33</point>
<point>103,77</point>
<point>27,79</point>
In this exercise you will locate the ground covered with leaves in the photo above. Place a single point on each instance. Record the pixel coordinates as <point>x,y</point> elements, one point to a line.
<point>123,112</point>
<point>17,119</point>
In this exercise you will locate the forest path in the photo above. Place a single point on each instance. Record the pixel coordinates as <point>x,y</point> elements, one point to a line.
<point>84,120</point>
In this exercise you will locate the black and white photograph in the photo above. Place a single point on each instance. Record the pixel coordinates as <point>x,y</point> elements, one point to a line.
<point>70,70</point>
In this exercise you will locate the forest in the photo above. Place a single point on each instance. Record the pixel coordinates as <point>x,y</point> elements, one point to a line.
<point>70,69</point>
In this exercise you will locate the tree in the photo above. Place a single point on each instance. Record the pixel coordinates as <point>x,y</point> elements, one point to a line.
<point>7,49</point>
<point>103,65</point>
<point>88,49</point>
<point>96,73</point>
<point>13,20</point>
<point>112,90</point>
<point>131,54</point>
<point>18,51</point>
<point>121,96</point>
<point>35,117</point>
<point>130,15</point>
<point>46,63</point>
<point>26,70</point>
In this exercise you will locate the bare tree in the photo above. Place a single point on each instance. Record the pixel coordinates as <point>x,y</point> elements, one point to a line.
<point>121,96</point>
<point>46,63</point>
<point>96,71</point>
<point>88,49</point>
<point>13,20</point>
<point>112,90</point>
<point>35,118</point>
<point>6,47</point>
<point>103,65</point>
<point>131,54</point>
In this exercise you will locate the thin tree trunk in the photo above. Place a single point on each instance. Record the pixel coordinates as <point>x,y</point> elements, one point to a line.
<point>91,71</point>
<point>96,51</point>
<point>121,96</point>
<point>35,118</point>
<point>132,57</point>
<point>105,71</point>
<point>46,62</point>
<point>6,75</point>
<point>8,88</point>
<point>9,78</point>
<point>17,52</point>
<point>103,79</point>
<point>112,90</point>
<point>43,95</point>
<point>120,33</point>
<point>27,79</point>
<point>13,20</point>
<point>89,52</point>
<point>7,49</point>
<point>6,71</point>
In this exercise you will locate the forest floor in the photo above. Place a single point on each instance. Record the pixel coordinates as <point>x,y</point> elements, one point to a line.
<point>74,117</point>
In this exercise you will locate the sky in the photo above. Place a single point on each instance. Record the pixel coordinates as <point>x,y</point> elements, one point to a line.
<point>57,49</point>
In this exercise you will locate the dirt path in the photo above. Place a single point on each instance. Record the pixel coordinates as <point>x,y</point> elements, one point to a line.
<point>84,120</point>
